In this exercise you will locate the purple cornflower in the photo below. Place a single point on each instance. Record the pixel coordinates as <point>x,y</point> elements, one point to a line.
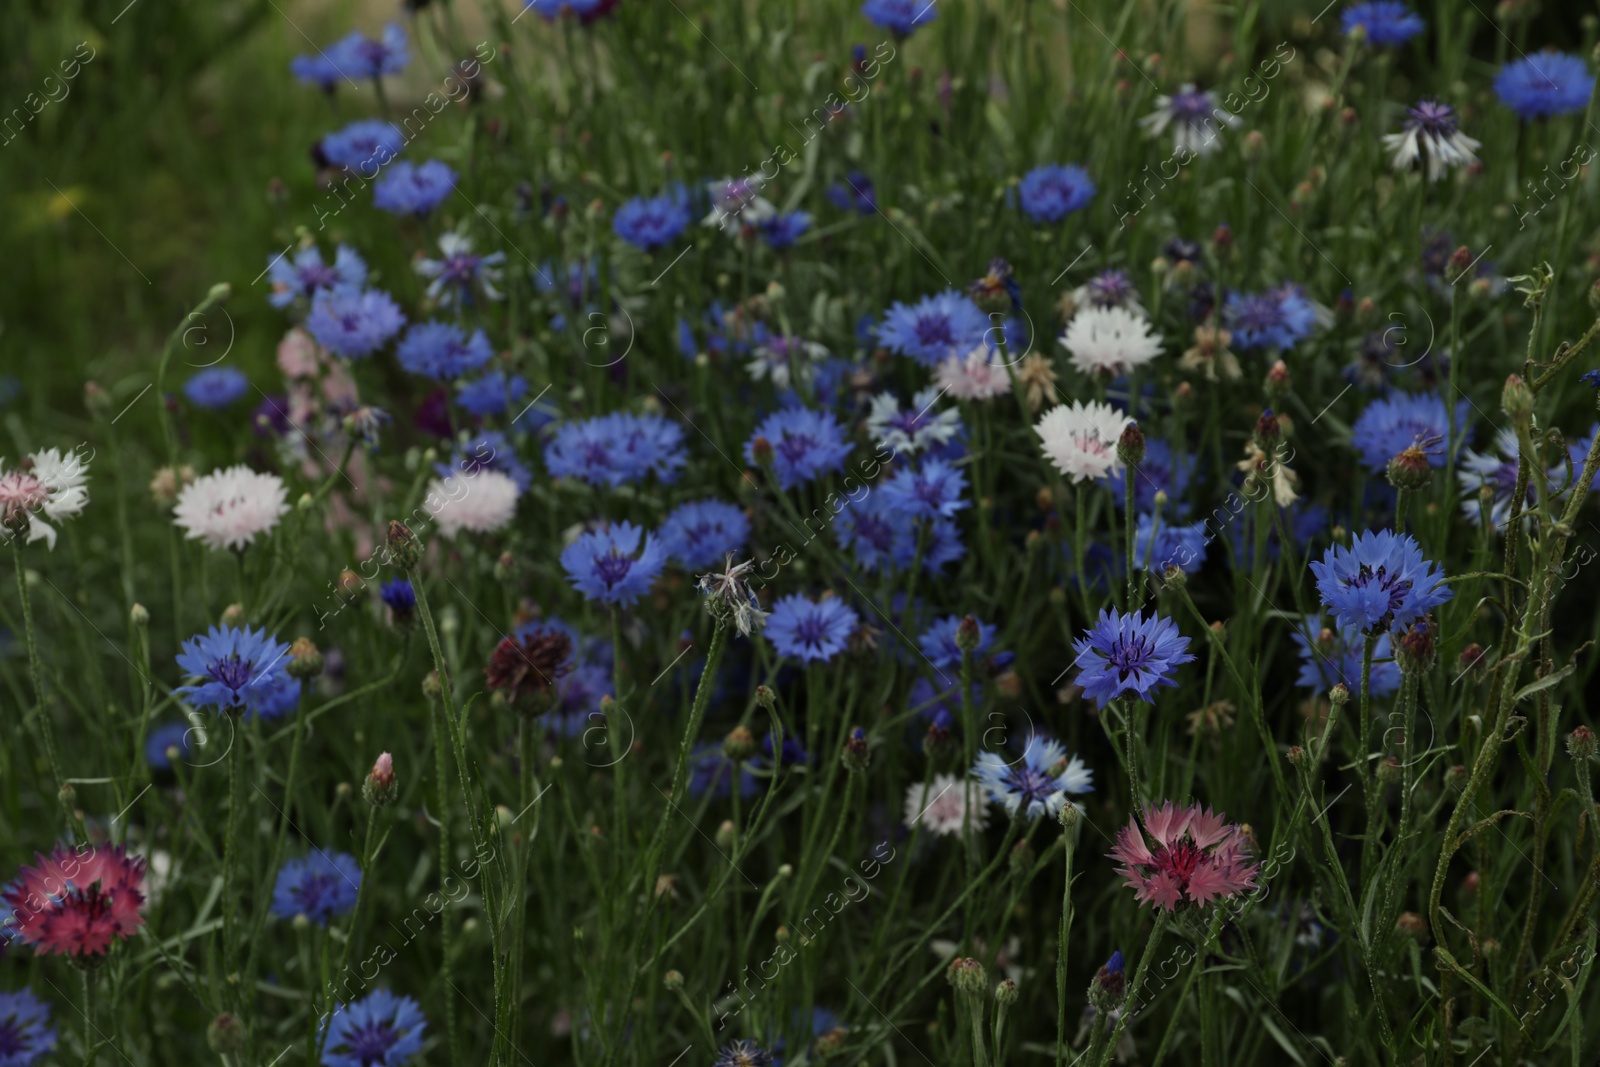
<point>304,275</point>
<point>1431,133</point>
<point>1394,423</point>
<point>900,17</point>
<point>1278,318</point>
<point>25,1030</point>
<point>614,566</point>
<point>216,387</point>
<point>879,534</point>
<point>1195,119</point>
<point>812,631</point>
<point>1548,83</point>
<point>230,665</point>
<point>1128,655</point>
<point>935,328</point>
<point>354,324</point>
<point>1035,784</point>
<point>459,271</point>
<point>492,393</point>
<point>379,1030</point>
<point>938,642</point>
<point>365,146</point>
<point>702,532</point>
<point>782,231</point>
<point>933,490</point>
<point>1386,23</point>
<point>805,444</point>
<point>1380,583</point>
<point>1051,192</point>
<point>617,448</point>
<point>1329,657</point>
<point>442,351</point>
<point>649,224</point>
<point>1170,545</point>
<point>413,189</point>
<point>320,886</point>
<point>398,596</point>
<point>855,193</point>
<point>1111,289</point>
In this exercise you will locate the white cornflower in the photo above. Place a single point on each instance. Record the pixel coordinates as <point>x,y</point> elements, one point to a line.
<point>1432,133</point>
<point>737,202</point>
<point>1110,340</point>
<point>459,269</point>
<point>907,432</point>
<point>1081,440</point>
<point>482,501</point>
<point>941,805</point>
<point>1194,117</point>
<point>979,375</point>
<point>728,595</point>
<point>228,508</point>
<point>48,484</point>
<point>785,358</point>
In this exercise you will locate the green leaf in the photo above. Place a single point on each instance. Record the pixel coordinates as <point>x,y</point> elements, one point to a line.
<point>1544,683</point>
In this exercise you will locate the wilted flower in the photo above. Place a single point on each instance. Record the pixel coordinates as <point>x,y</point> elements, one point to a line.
<point>1194,117</point>
<point>526,668</point>
<point>1431,133</point>
<point>1210,354</point>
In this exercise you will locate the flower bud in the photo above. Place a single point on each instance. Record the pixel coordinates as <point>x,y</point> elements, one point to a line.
<point>1268,429</point>
<point>233,615</point>
<point>1516,399</point>
<point>967,634</point>
<point>1471,659</point>
<point>431,687</point>
<point>379,789</point>
<point>1005,994</point>
<point>857,754</point>
<point>1409,469</point>
<point>304,659</point>
<point>1109,985</point>
<point>1339,695</point>
<point>727,834</point>
<point>225,1035</point>
<point>1255,145</point>
<point>673,981</point>
<point>1414,649</point>
<point>1130,447</point>
<point>739,745</point>
<point>1296,756</point>
<point>937,742</point>
<point>1276,385</point>
<point>1389,770</point>
<point>966,976</point>
<point>761,452</point>
<point>404,547</point>
<point>1455,779</point>
<point>139,615</point>
<point>765,698</point>
<point>1581,744</point>
<point>1412,925</point>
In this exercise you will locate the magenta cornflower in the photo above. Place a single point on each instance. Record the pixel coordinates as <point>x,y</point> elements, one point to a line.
<point>1184,856</point>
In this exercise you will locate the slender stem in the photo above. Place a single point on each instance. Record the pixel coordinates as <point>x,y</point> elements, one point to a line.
<point>1130,1005</point>
<point>1062,943</point>
<point>91,1048</point>
<point>39,714</point>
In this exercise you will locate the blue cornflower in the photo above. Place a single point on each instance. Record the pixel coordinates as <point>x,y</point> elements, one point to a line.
<point>1036,783</point>
<point>25,1030</point>
<point>1591,378</point>
<point>229,664</point>
<point>1381,582</point>
<point>413,189</point>
<point>1051,192</point>
<point>935,328</point>
<point>702,532</point>
<point>379,1030</point>
<point>711,771</point>
<point>587,11</point>
<point>323,69</point>
<point>812,631</point>
<point>1549,83</point>
<point>320,886</point>
<point>649,224</point>
<point>489,451</point>
<point>276,696</point>
<point>304,274</point>
<point>941,544</point>
<point>1128,655</point>
<point>782,231</point>
<point>492,393</point>
<point>398,596</point>
<point>855,193</point>
<point>805,444</point>
<point>1329,657</point>
<point>442,350</point>
<point>1169,545</point>
<point>938,642</point>
<point>216,387</point>
<point>614,566</point>
<point>900,16</point>
<point>1394,423</point>
<point>744,1053</point>
<point>933,490</point>
<point>459,270</point>
<point>617,448</point>
<point>354,324</point>
<point>1387,23</point>
<point>1277,318</point>
<point>360,56</point>
<point>167,735</point>
<point>365,146</point>
<point>1161,471</point>
<point>880,535</point>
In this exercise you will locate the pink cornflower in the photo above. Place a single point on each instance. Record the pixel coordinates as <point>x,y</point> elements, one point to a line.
<point>1196,856</point>
<point>76,903</point>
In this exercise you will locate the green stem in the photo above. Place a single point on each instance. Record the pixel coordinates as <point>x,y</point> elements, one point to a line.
<point>1131,1004</point>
